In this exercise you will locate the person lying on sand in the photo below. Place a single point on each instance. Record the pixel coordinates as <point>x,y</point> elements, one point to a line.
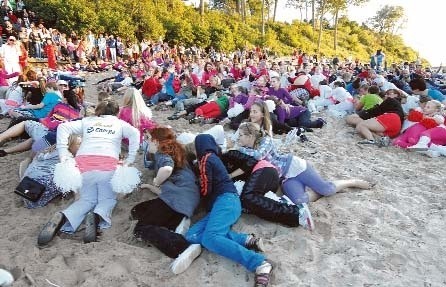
<point>297,172</point>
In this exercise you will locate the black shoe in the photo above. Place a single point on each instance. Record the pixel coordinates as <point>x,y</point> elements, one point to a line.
<point>174,117</point>
<point>3,153</point>
<point>91,227</point>
<point>190,116</point>
<point>51,228</point>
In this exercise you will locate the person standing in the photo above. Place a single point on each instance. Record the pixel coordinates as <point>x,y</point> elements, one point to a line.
<point>11,53</point>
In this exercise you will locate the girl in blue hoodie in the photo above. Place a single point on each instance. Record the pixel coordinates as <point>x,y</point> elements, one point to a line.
<point>214,230</point>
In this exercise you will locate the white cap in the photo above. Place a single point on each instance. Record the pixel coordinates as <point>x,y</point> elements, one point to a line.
<point>62,82</point>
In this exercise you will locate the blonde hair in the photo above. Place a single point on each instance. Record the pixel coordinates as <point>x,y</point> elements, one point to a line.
<point>438,106</point>
<point>133,99</point>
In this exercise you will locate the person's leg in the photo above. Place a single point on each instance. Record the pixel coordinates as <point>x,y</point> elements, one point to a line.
<point>437,135</point>
<point>195,234</point>
<point>253,199</point>
<point>168,242</point>
<point>410,136</point>
<point>106,198</point>
<point>156,212</point>
<point>13,132</point>
<point>225,212</point>
<point>304,120</point>
<point>278,127</point>
<point>353,119</point>
<point>295,190</point>
<point>368,127</point>
<point>23,146</point>
<point>76,212</point>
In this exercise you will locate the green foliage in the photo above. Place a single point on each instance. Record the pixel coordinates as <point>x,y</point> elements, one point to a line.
<point>175,22</point>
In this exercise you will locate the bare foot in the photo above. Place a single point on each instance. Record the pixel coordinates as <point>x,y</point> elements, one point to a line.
<point>358,183</point>
<point>152,188</point>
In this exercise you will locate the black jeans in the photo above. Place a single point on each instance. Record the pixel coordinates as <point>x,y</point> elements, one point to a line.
<point>254,201</point>
<point>304,120</point>
<point>156,220</point>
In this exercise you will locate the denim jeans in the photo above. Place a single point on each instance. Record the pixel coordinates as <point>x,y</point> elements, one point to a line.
<point>38,50</point>
<point>294,187</point>
<point>96,194</point>
<point>214,232</point>
<point>178,98</point>
<point>160,96</point>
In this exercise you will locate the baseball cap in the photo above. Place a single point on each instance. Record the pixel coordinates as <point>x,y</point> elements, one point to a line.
<point>62,82</point>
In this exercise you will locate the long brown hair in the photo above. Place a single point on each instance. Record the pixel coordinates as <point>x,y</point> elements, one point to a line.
<point>167,144</point>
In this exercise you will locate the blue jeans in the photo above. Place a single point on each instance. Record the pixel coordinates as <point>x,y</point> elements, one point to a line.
<point>178,98</point>
<point>214,232</point>
<point>38,50</point>
<point>96,195</point>
<point>294,187</point>
<point>160,96</point>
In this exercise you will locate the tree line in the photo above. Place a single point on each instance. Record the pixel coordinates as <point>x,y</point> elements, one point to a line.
<point>230,24</point>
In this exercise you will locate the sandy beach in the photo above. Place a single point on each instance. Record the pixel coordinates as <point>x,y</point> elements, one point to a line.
<point>391,235</point>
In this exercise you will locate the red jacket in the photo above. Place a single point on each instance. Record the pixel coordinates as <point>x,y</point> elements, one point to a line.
<point>150,87</point>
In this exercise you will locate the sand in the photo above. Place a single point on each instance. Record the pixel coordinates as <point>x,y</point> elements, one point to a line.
<point>391,235</point>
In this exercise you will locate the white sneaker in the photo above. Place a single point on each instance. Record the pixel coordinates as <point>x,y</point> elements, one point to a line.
<point>185,259</point>
<point>6,278</point>
<point>183,227</point>
<point>431,153</point>
<point>418,147</point>
<point>305,218</point>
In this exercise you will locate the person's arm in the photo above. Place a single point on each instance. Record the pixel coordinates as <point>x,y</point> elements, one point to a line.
<point>12,75</point>
<point>64,130</point>
<point>162,175</point>
<point>359,104</point>
<point>266,145</point>
<point>206,175</point>
<point>34,107</point>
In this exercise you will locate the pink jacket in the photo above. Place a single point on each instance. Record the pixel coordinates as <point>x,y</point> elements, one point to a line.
<point>4,76</point>
<point>145,123</point>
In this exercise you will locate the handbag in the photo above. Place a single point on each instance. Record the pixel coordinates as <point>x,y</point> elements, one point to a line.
<point>30,189</point>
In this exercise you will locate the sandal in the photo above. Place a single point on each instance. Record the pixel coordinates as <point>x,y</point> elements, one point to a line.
<point>264,278</point>
<point>51,228</point>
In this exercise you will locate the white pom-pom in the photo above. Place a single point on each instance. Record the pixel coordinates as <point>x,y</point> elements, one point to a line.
<point>239,186</point>
<point>6,278</point>
<point>271,105</point>
<point>236,110</point>
<point>185,138</point>
<point>67,176</point>
<point>125,179</point>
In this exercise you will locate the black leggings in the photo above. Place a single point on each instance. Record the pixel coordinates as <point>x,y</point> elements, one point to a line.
<point>156,220</point>
<point>254,201</point>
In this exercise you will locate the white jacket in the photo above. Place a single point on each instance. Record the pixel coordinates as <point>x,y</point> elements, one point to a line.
<point>100,136</point>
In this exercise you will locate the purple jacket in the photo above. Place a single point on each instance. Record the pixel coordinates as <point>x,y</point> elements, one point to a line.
<point>282,94</point>
<point>294,112</point>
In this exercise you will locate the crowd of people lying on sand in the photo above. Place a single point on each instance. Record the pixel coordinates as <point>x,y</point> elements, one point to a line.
<point>257,98</point>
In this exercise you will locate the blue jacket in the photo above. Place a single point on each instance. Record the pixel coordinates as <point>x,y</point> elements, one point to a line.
<point>214,179</point>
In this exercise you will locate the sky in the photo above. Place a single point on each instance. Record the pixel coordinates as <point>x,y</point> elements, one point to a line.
<point>423,31</point>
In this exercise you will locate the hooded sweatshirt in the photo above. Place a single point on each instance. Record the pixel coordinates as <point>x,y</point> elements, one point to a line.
<point>214,179</point>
